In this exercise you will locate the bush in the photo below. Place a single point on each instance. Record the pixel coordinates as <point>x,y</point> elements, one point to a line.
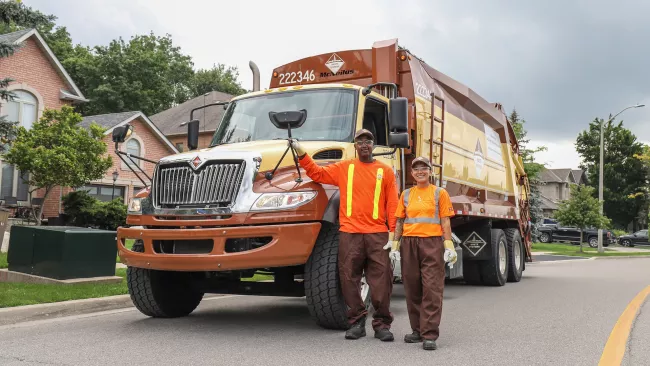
<point>84,210</point>
<point>619,233</point>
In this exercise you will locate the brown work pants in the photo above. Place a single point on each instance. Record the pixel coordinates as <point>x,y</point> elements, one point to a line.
<point>423,275</point>
<point>359,253</point>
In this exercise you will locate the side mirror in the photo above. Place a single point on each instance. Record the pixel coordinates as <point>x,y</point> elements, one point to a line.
<point>120,134</point>
<point>398,116</point>
<point>193,134</point>
<point>289,119</point>
<point>398,140</point>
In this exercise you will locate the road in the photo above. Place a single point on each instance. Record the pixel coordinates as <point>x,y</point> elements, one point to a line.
<point>561,313</point>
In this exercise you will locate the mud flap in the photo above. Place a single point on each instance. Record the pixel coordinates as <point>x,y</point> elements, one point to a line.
<point>475,239</point>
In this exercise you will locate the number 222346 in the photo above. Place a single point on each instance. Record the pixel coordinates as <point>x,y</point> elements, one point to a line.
<point>296,77</point>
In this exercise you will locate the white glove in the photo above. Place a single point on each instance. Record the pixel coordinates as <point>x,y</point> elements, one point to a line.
<point>450,255</point>
<point>391,243</point>
<point>394,255</point>
<point>296,146</point>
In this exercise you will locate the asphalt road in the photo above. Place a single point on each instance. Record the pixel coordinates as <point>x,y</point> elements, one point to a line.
<point>561,313</point>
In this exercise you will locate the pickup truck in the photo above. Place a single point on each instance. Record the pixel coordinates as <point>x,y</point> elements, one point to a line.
<point>548,234</point>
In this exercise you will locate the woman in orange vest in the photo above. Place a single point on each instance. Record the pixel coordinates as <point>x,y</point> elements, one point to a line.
<point>423,214</point>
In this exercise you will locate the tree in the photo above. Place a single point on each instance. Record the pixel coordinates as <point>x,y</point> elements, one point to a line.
<point>147,73</point>
<point>217,78</point>
<point>56,151</point>
<point>582,210</point>
<point>531,167</point>
<point>13,16</point>
<point>625,190</point>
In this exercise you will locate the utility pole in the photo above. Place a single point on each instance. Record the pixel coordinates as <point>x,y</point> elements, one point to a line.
<point>601,172</point>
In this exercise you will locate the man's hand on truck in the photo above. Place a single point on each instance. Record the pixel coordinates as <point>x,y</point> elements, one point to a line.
<point>296,146</point>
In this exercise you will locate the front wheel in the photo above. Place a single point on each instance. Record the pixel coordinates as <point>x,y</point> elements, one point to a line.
<point>161,294</point>
<point>626,243</point>
<point>322,288</point>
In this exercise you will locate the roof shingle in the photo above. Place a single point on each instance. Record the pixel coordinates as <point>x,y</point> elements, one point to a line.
<point>169,121</point>
<point>13,36</point>
<point>107,120</point>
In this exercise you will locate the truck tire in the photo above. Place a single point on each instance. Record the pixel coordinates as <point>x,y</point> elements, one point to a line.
<point>161,294</point>
<point>494,271</point>
<point>515,255</point>
<point>322,287</point>
<point>472,272</point>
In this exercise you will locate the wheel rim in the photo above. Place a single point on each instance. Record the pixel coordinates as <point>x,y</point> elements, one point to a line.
<point>543,238</point>
<point>502,257</point>
<point>518,256</point>
<point>626,243</point>
<point>593,242</point>
<point>365,288</point>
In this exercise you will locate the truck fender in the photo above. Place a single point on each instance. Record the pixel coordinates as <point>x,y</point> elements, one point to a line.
<point>332,211</point>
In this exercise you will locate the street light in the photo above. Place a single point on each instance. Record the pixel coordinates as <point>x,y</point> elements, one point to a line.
<point>601,174</point>
<point>115,175</point>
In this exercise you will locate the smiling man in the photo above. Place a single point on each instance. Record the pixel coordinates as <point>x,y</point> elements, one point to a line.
<point>368,201</point>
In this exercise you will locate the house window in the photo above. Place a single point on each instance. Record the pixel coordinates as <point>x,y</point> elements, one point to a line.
<point>133,148</point>
<point>23,109</point>
<point>103,192</point>
<point>13,183</point>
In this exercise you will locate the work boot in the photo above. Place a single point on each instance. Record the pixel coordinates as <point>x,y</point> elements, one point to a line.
<point>413,337</point>
<point>384,335</point>
<point>357,330</point>
<point>429,345</point>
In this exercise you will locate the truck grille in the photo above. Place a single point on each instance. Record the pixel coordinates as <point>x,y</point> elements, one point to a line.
<point>216,184</point>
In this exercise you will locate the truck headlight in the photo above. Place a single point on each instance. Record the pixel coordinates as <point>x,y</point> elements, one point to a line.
<point>135,206</point>
<point>274,201</point>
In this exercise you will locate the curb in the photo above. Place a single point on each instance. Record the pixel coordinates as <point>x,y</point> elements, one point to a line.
<point>19,314</point>
<point>624,257</point>
<point>61,309</point>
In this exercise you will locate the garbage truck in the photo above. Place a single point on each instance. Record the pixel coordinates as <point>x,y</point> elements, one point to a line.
<point>211,219</point>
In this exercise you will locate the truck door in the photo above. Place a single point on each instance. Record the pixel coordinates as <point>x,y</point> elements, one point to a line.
<point>375,120</point>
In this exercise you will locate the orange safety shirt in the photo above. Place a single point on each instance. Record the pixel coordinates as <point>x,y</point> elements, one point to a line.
<point>368,193</point>
<point>422,209</point>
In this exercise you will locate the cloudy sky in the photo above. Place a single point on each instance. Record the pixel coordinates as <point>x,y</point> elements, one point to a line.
<point>560,63</point>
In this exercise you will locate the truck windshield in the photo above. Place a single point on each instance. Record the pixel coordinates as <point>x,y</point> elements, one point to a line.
<point>330,117</point>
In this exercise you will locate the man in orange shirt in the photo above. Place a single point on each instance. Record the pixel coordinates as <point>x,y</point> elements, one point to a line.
<point>423,214</point>
<point>368,196</point>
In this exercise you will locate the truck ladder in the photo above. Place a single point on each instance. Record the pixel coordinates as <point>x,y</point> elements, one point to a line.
<point>439,143</point>
<point>525,224</point>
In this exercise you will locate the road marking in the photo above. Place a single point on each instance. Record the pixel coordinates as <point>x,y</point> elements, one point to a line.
<point>92,315</point>
<point>617,343</point>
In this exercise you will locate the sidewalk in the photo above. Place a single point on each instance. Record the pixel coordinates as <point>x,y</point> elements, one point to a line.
<point>629,250</point>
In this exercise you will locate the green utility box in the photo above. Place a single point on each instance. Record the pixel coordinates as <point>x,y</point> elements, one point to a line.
<point>62,252</point>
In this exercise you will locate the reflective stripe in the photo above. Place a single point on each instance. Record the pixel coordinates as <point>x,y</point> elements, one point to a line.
<point>349,191</point>
<point>375,209</point>
<point>423,220</point>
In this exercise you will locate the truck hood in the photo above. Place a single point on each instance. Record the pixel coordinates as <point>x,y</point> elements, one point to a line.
<point>270,151</point>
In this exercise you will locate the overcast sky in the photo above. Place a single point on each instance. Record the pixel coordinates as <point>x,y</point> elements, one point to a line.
<point>561,63</point>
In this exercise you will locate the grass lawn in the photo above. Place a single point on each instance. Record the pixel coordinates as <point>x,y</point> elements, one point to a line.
<point>3,260</point>
<point>17,294</point>
<point>128,244</point>
<point>574,250</point>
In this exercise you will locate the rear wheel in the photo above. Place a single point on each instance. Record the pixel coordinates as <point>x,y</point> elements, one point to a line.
<point>593,242</point>
<point>494,271</point>
<point>322,287</point>
<point>515,255</point>
<point>545,237</point>
<point>161,294</point>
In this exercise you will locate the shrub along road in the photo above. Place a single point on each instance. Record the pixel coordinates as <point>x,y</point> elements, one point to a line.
<point>560,313</point>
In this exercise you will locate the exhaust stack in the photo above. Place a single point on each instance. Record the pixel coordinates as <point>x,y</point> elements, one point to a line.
<point>256,76</point>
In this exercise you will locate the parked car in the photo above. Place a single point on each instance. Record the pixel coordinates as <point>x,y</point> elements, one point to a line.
<point>638,238</point>
<point>549,223</point>
<point>560,233</point>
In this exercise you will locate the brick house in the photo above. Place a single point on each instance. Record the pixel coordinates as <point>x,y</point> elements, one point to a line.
<point>555,186</point>
<point>40,82</point>
<point>169,121</point>
<point>146,140</point>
